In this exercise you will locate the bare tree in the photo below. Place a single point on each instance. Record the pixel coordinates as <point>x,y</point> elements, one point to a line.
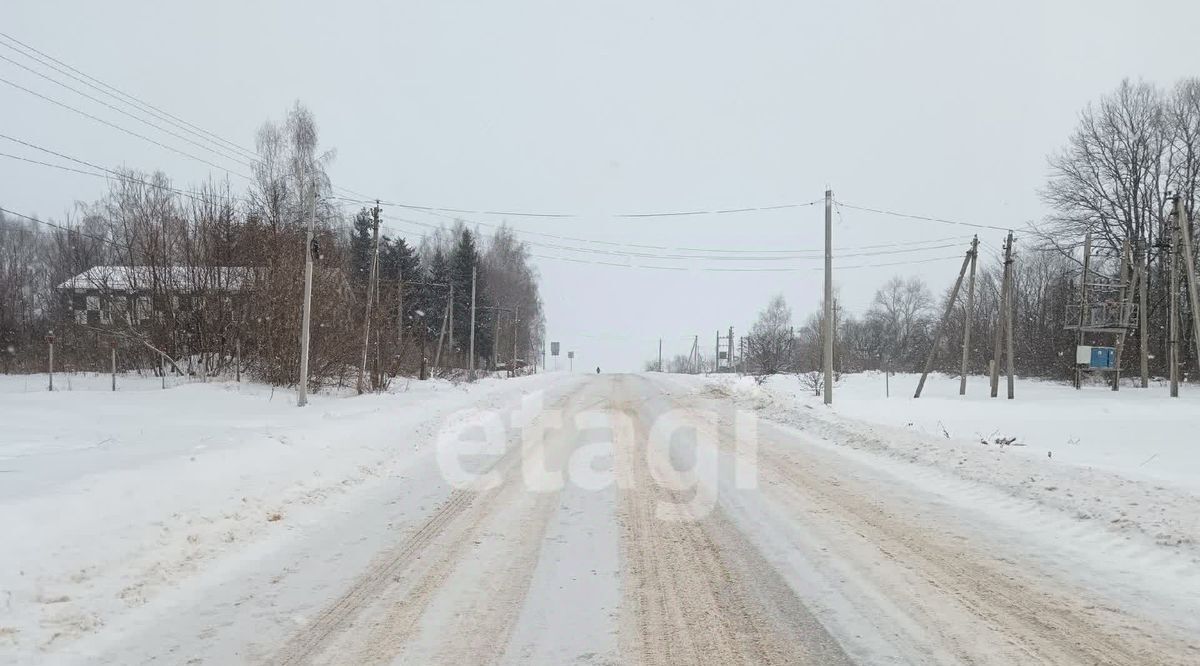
<point>771,343</point>
<point>901,311</point>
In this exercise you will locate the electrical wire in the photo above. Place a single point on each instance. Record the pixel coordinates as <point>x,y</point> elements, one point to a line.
<point>123,129</point>
<point>720,258</point>
<point>85,234</point>
<point>123,112</point>
<point>925,218</point>
<point>119,95</point>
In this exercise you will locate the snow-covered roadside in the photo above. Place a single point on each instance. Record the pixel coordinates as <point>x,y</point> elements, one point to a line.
<point>1124,462</point>
<point>109,499</point>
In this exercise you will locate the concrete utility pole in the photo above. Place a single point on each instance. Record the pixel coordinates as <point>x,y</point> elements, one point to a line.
<point>512,367</point>
<point>1185,235</point>
<point>941,325</point>
<point>1173,308</point>
<point>1002,316</point>
<point>50,369</point>
<point>495,339</point>
<point>827,357</point>
<point>112,346</point>
<point>471,346</point>
<point>1143,261</point>
<point>717,354</point>
<point>1083,305</point>
<point>729,353</point>
<point>968,317</point>
<point>306,316</point>
<point>1008,320</point>
<point>362,368</point>
<point>660,354</point>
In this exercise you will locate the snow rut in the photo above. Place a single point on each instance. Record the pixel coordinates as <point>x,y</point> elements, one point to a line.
<point>448,593</point>
<point>693,592</point>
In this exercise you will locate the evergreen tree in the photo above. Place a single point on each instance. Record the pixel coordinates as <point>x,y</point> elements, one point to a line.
<point>360,248</point>
<point>433,298</point>
<point>398,261</point>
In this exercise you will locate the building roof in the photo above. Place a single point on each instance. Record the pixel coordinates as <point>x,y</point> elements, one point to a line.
<point>177,278</point>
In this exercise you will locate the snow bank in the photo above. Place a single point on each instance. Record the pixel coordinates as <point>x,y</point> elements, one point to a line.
<point>1126,462</point>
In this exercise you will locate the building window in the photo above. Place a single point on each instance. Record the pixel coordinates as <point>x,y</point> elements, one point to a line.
<point>93,303</point>
<point>81,317</point>
<point>105,317</point>
<point>143,308</point>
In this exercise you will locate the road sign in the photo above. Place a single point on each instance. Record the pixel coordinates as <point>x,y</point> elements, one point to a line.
<point>570,354</point>
<point>554,349</point>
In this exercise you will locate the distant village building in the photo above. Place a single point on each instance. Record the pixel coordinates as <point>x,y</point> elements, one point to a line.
<point>142,296</point>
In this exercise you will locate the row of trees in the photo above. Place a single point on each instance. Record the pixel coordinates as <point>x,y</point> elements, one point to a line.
<point>896,331</point>
<point>1131,154</point>
<point>225,275</point>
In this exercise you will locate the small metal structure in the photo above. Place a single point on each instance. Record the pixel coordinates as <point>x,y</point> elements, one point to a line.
<point>1103,304</point>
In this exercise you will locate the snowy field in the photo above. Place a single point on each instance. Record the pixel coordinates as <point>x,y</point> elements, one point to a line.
<point>109,500</point>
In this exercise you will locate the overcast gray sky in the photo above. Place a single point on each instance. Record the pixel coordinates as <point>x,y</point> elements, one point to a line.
<point>605,107</point>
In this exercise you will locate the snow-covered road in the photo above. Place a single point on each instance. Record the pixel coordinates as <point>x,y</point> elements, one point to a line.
<point>609,519</point>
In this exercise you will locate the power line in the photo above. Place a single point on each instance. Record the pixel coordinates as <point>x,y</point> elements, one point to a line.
<point>514,213</point>
<point>706,269</point>
<point>123,129</point>
<point>719,258</point>
<point>104,88</point>
<point>108,174</point>
<point>925,218</point>
<point>524,232</point>
<point>85,234</point>
<point>221,153</point>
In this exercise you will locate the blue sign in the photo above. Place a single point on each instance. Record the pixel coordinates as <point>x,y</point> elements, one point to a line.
<point>1103,358</point>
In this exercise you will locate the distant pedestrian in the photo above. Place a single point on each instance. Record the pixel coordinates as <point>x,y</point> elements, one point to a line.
<point>597,369</point>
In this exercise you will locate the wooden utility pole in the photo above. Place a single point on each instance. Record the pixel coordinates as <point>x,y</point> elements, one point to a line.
<point>471,345</point>
<point>237,359</point>
<point>941,325</point>
<point>1001,316</point>
<point>1143,262</point>
<point>1083,305</point>
<point>437,356</point>
<point>1185,236</point>
<point>827,356</point>
<point>968,317</point>
<point>362,368</point>
<point>1173,307</point>
<point>113,351</point>
<point>451,323</point>
<point>399,314</point>
<point>306,308</point>
<point>1128,280</point>
<point>660,354</point>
